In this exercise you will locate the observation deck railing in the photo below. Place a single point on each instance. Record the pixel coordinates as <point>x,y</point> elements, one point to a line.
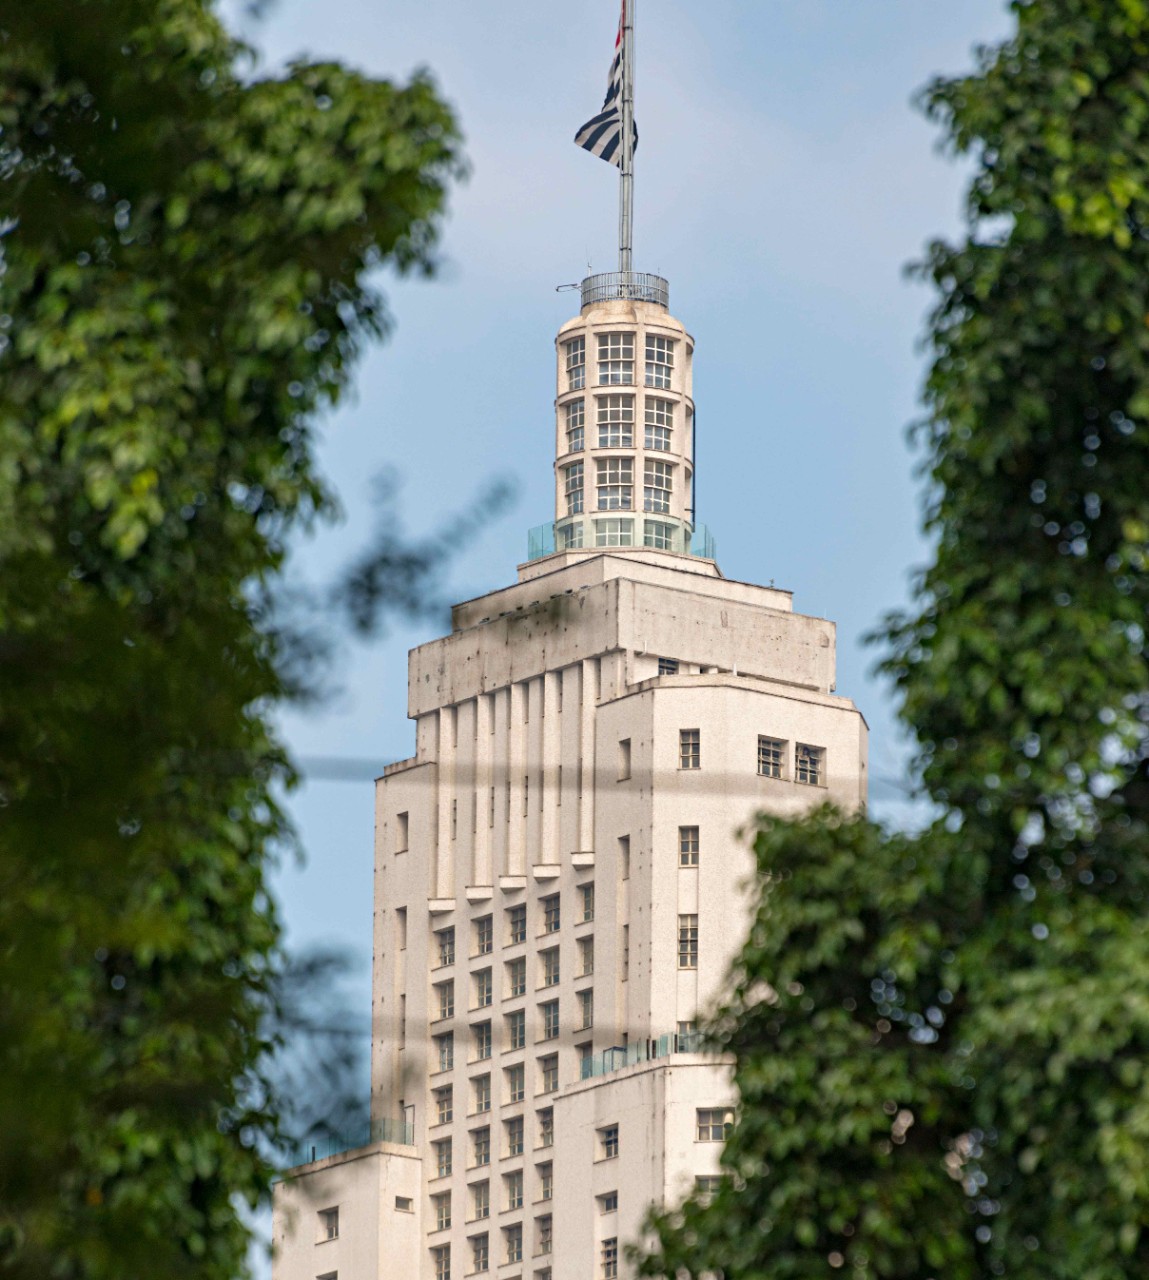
<point>602,1064</point>
<point>543,540</point>
<point>627,286</point>
<point>334,1143</point>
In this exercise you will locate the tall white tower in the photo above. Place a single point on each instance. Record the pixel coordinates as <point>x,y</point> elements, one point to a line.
<point>559,885</point>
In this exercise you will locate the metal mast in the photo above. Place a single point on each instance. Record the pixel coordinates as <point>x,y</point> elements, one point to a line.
<point>626,168</point>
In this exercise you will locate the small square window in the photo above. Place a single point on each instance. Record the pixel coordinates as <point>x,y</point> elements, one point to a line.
<point>771,756</point>
<point>714,1124</point>
<point>689,749</point>
<point>706,1184</point>
<point>810,765</point>
<point>404,1204</point>
<point>608,1203</point>
<point>516,925</point>
<point>608,1142</point>
<point>688,846</point>
<point>668,666</point>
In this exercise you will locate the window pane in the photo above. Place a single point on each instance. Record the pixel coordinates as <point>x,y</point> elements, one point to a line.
<point>659,360</point>
<point>615,359</point>
<point>688,846</point>
<point>659,415</point>
<point>615,422</point>
<point>615,484</point>
<point>688,942</point>
<point>770,757</point>
<point>689,749</point>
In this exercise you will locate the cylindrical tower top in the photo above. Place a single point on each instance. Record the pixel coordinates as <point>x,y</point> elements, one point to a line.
<point>625,286</point>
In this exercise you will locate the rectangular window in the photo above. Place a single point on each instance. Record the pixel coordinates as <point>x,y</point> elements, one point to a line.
<point>547,1127</point>
<point>608,1203</point>
<point>615,359</point>
<point>687,1039</point>
<point>706,1184</point>
<point>624,856</point>
<point>516,1083</point>
<point>550,966</point>
<point>659,361</point>
<point>445,940</point>
<point>516,976</point>
<point>576,425</point>
<point>513,1189</point>
<point>585,957</point>
<point>441,1259</point>
<point>615,484</point>
<point>659,423</point>
<point>688,846</point>
<point>608,1142</point>
<point>444,1104</point>
<point>624,760</point>
<point>402,832</point>
<point>480,1146</point>
<point>586,1010</point>
<point>656,485</point>
<point>668,666</point>
<point>614,533</point>
<point>514,1130</point>
<point>575,351</point>
<point>810,765</point>
<point>771,753</point>
<point>484,936</point>
<point>615,421</point>
<point>443,1161</point>
<point>516,925</point>
<point>688,942</point>
<point>445,1050</point>
<point>586,901</point>
<point>551,917</point>
<point>546,1174</point>
<point>484,989</point>
<point>658,534</point>
<point>441,1204</point>
<point>329,1223</point>
<point>549,1012</point>
<point>481,1094</point>
<point>445,991</point>
<point>481,1039</point>
<point>713,1124</point>
<point>513,1240</point>
<point>609,1257</point>
<point>549,1072</point>
<point>572,488</point>
<point>570,537</point>
<point>544,1234</point>
<point>401,926</point>
<point>517,1028</point>
<point>480,1200</point>
<point>480,1253</point>
<point>689,749</point>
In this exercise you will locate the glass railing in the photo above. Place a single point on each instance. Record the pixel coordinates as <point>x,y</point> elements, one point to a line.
<point>580,534</point>
<point>334,1143</point>
<point>615,1059</point>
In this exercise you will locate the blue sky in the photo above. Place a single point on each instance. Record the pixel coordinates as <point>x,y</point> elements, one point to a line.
<point>783,181</point>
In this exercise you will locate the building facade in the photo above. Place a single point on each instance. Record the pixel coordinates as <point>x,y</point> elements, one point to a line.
<point>560,886</point>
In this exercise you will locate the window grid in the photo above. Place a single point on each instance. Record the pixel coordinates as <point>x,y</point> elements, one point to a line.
<point>614,483</point>
<point>481,1038</point>
<point>446,994</point>
<point>572,487</point>
<point>659,422</point>
<point>441,1257</point>
<point>514,1184</point>
<point>576,423</point>
<point>484,989</point>
<point>481,1089</point>
<point>586,894</point>
<point>608,1142</point>
<point>443,1158</point>
<point>516,1029</point>
<point>656,485</point>
<point>444,1105</point>
<point>516,925</point>
<point>576,363</point>
<point>484,936</point>
<point>659,361</point>
<point>481,1146</point>
<point>446,940</point>
<point>549,1010</point>
<point>514,1241</point>
<point>442,1207</point>
<point>688,942</point>
<point>551,914</point>
<point>809,764</point>
<point>614,533</point>
<point>658,534</point>
<point>610,1258</point>
<point>480,1253</point>
<point>517,976</point>
<point>549,1070</point>
<point>615,359</point>
<point>713,1124</point>
<point>514,1128</point>
<point>689,749</point>
<point>586,1010</point>
<point>688,846</point>
<point>771,754</point>
<point>570,537</point>
<point>615,419</point>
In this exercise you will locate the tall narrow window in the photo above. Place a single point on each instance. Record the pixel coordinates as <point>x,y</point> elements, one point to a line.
<point>624,760</point>
<point>549,1012</point>
<point>481,1146</point>
<point>480,1253</point>
<point>484,936</point>
<point>516,1083</point>
<point>624,857</point>
<point>402,832</point>
<point>443,1161</point>
<point>484,989</point>
<point>547,1127</point>
<point>572,487</point>
<point>550,965</point>
<point>480,1200</point>
<point>586,1010</point>
<point>659,423</point>
<point>517,1027</point>
<point>810,765</point>
<point>659,361</point>
<point>549,1072</point>
<point>514,1131</point>
<point>516,976</point>
<point>575,351</point>
<point>608,1142</point>
<point>615,359</point>
<point>401,926</point>
<point>615,484</point>
<point>688,846</point>
<point>444,1105</point>
<point>445,940</point>
<point>689,749</point>
<point>688,942</point>
<point>625,952</point>
<point>544,1234</point>
<point>585,957</point>
<point>586,902</point>
<point>445,1050</point>
<point>656,484</point>
<point>513,1238</point>
<point>609,1257</point>
<point>516,925</point>
<point>441,1260</point>
<point>615,420</point>
<point>481,1038</point>
<point>329,1223</point>
<point>441,1204</point>
<point>551,916</point>
<point>402,1021</point>
<point>546,1174</point>
<point>770,756</point>
<point>576,424</point>
<point>446,994</point>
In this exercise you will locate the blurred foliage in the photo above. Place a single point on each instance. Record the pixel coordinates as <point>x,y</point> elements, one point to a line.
<point>185,255</point>
<point>942,1040</point>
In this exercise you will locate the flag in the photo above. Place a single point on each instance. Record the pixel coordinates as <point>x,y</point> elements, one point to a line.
<point>602,135</point>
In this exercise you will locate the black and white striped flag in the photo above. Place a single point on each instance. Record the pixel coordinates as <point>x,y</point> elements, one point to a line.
<point>602,136</point>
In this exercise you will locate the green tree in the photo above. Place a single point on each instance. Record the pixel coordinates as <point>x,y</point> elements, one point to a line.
<point>942,1040</point>
<point>186,256</point>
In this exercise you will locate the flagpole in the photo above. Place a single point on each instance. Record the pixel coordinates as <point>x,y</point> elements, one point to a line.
<point>626,168</point>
